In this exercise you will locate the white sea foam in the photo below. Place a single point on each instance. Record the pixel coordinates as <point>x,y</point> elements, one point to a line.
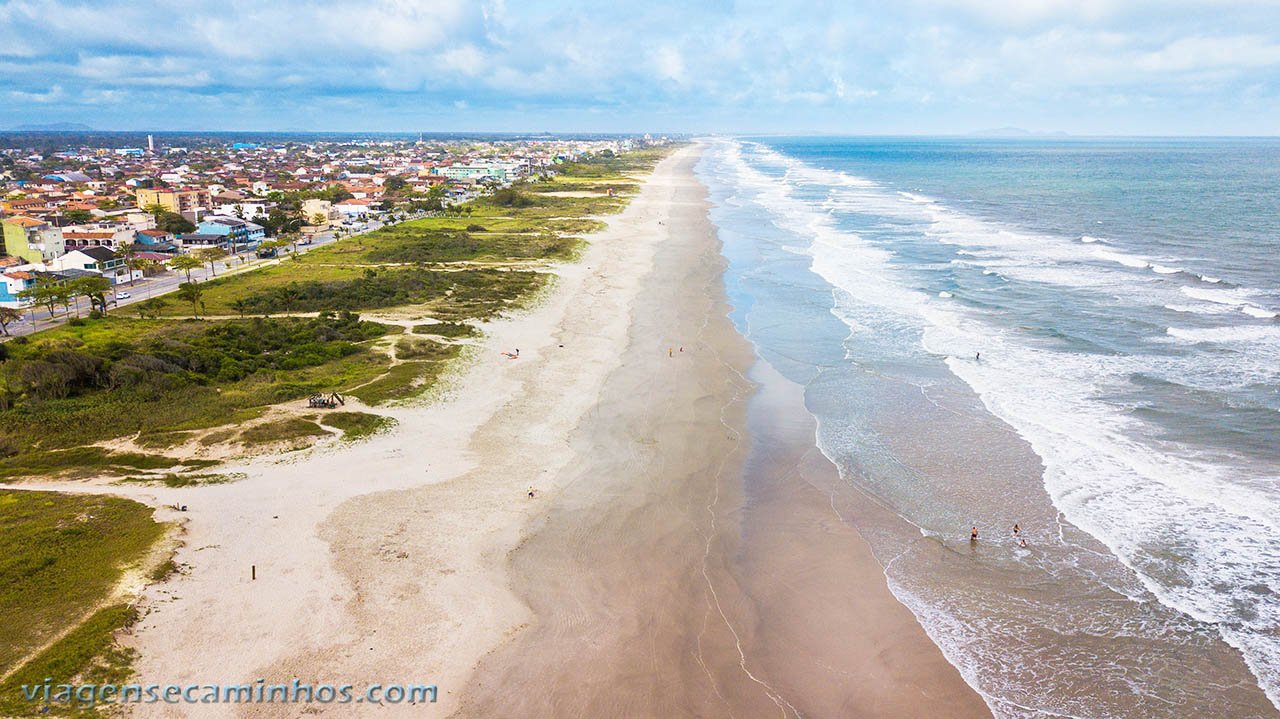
<point>1210,280</point>
<point>1234,296</point>
<point>1121,258</point>
<point>1090,239</point>
<point>1258,312</point>
<point>1135,497</point>
<point>944,293</point>
<point>1226,335</point>
<point>1163,270</point>
<point>1203,309</point>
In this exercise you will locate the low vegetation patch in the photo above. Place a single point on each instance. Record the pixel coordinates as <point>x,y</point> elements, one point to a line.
<point>84,461</point>
<point>87,655</point>
<point>290,429</point>
<point>357,425</point>
<point>59,555</point>
<point>401,382</point>
<point>447,329</point>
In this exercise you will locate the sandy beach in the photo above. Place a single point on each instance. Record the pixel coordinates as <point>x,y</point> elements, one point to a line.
<point>683,556</point>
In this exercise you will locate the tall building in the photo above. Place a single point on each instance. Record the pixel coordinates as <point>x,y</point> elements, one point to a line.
<point>31,239</point>
<point>180,201</point>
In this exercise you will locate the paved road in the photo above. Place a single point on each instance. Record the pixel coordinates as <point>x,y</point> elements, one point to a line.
<point>144,289</point>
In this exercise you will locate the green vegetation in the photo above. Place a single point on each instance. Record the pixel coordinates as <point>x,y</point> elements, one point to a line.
<point>85,461</point>
<point>419,348</point>
<point>447,329</point>
<point>290,429</point>
<point>357,425</point>
<point>401,382</point>
<point>477,292</point>
<point>88,654</point>
<point>59,556</point>
<point>118,376</point>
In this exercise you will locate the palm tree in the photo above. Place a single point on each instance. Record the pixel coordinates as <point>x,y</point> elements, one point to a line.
<point>185,263</point>
<point>241,305</point>
<point>210,255</point>
<point>192,292</point>
<point>289,296</point>
<point>128,252</point>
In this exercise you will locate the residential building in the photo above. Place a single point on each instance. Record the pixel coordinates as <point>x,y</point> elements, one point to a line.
<point>316,209</point>
<point>179,201</point>
<point>31,239</point>
<point>110,237</point>
<point>197,240</point>
<point>503,172</point>
<point>94,259</point>
<point>242,234</point>
<point>13,282</point>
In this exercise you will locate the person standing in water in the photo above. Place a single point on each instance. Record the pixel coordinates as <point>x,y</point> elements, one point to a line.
<point>973,534</point>
<point>1016,529</point>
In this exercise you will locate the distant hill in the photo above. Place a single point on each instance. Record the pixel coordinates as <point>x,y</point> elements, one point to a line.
<point>55,127</point>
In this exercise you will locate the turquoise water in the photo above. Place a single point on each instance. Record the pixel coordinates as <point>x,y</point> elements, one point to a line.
<point>1080,336</point>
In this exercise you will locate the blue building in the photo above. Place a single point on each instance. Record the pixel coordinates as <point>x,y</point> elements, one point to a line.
<point>241,234</point>
<point>13,282</point>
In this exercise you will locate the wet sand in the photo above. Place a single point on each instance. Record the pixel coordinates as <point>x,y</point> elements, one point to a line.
<point>690,567</point>
<point>673,563</point>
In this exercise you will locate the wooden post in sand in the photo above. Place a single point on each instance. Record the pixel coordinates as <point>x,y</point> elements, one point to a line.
<point>253,571</point>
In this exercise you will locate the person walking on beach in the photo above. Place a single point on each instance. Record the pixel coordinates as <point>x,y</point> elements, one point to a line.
<point>669,354</point>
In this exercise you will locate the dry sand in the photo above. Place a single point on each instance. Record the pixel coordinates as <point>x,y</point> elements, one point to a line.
<point>641,581</point>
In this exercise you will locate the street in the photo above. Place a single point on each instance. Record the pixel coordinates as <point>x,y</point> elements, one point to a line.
<point>147,288</point>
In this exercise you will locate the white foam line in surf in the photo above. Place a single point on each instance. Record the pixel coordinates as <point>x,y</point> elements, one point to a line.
<point>1100,476</point>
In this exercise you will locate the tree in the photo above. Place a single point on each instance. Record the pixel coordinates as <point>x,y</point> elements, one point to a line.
<point>7,315</point>
<point>210,255</point>
<point>289,296</point>
<point>129,253</point>
<point>395,184</point>
<point>186,263</point>
<point>169,221</point>
<point>44,292</point>
<point>194,293</point>
<point>64,293</point>
<point>77,217</point>
<point>151,308</point>
<point>95,288</point>
<point>241,305</point>
<point>291,239</point>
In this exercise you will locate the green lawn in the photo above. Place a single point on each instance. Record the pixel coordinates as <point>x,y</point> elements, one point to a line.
<point>59,555</point>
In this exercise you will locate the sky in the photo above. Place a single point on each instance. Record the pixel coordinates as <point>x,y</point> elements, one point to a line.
<point>1126,67</point>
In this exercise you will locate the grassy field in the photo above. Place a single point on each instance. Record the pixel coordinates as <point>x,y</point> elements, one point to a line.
<point>59,556</point>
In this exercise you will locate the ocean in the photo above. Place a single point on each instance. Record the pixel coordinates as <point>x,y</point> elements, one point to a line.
<point>1077,336</point>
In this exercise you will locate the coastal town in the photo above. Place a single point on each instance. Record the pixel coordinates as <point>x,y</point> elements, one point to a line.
<point>129,217</point>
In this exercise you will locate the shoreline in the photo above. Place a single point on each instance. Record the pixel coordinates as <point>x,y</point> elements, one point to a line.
<point>676,575</point>
<point>666,566</point>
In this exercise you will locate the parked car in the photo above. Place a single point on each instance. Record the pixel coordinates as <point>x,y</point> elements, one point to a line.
<point>122,296</point>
